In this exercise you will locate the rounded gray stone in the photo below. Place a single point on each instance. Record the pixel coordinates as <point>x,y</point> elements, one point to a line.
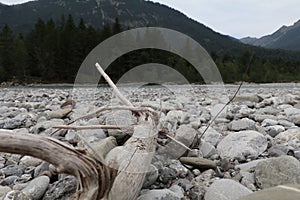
<point>242,145</point>
<point>226,189</point>
<point>276,171</point>
<point>37,187</point>
<point>159,195</point>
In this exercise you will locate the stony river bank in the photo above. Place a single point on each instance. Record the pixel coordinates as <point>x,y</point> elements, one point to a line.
<point>251,151</point>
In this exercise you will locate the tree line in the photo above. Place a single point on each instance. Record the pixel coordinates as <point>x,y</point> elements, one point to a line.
<point>52,52</point>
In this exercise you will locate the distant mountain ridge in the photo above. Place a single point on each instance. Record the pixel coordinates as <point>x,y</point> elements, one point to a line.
<point>131,13</point>
<point>287,38</point>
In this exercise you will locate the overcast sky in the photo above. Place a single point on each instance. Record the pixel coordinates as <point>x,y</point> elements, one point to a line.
<point>237,18</point>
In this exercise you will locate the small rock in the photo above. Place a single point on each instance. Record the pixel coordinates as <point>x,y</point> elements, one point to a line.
<point>62,189</point>
<point>291,111</point>
<point>199,163</point>
<point>37,187</point>
<point>249,166</point>
<point>159,195</point>
<point>242,145</point>
<point>277,171</point>
<point>205,176</point>
<point>13,170</point>
<point>177,190</point>
<point>8,180</point>
<point>262,117</point>
<point>151,176</point>
<point>216,109</point>
<point>288,135</point>
<point>278,150</point>
<point>296,119</point>
<point>30,161</point>
<point>286,123</point>
<point>197,192</point>
<point>226,189</point>
<point>4,190</point>
<point>179,168</point>
<point>211,136</point>
<point>207,149</point>
<point>44,166</point>
<point>186,135</point>
<point>177,117</point>
<point>286,192</point>
<point>59,114</point>
<point>248,176</point>
<point>248,97</point>
<point>274,130</point>
<point>269,122</point>
<point>167,174</point>
<point>242,124</point>
<point>15,194</point>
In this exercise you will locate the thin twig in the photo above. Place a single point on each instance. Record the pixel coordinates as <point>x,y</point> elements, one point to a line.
<point>124,100</point>
<point>91,127</point>
<point>233,97</point>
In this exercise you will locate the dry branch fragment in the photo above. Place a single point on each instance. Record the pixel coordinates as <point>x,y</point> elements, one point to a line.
<point>113,86</point>
<point>94,178</point>
<point>92,127</point>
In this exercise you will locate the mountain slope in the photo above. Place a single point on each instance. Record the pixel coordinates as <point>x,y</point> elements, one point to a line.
<point>287,38</point>
<point>131,13</point>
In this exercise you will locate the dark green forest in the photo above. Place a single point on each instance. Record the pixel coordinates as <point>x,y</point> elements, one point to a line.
<point>53,51</point>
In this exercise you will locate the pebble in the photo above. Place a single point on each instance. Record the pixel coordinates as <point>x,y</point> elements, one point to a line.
<point>211,136</point>
<point>13,170</point>
<point>242,124</point>
<point>242,145</point>
<point>151,176</point>
<point>159,195</point>
<point>198,163</point>
<point>30,161</point>
<point>184,134</point>
<point>274,130</point>
<point>61,189</point>
<point>37,187</point>
<point>286,192</point>
<point>276,171</point>
<point>207,149</point>
<point>226,189</point>
<point>4,190</point>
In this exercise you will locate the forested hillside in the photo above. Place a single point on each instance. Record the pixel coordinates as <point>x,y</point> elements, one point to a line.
<point>53,52</point>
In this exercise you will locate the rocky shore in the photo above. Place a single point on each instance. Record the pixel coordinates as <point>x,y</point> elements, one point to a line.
<point>251,151</point>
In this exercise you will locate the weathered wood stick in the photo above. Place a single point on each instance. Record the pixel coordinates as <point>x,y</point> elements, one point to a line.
<point>92,127</point>
<point>94,178</point>
<point>113,86</point>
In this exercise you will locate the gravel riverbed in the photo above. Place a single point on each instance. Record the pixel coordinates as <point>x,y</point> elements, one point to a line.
<point>250,151</point>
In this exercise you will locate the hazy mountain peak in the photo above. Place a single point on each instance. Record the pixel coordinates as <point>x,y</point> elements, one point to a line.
<point>287,37</point>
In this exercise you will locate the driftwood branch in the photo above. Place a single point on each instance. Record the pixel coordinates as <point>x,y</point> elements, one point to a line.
<point>113,86</point>
<point>95,179</point>
<point>92,127</point>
